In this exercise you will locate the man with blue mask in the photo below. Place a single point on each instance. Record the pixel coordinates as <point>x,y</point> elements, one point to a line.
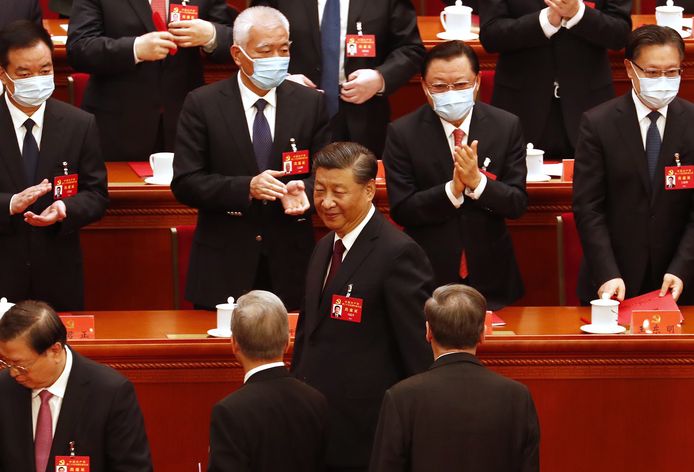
<point>637,233</point>
<point>235,139</point>
<point>455,170</point>
<point>54,178</point>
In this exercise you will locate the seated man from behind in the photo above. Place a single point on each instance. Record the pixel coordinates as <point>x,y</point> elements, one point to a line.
<point>458,415</point>
<point>274,422</point>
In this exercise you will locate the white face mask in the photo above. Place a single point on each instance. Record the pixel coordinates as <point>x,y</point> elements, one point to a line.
<point>658,92</point>
<point>32,91</point>
<point>454,104</point>
<point>268,72</point>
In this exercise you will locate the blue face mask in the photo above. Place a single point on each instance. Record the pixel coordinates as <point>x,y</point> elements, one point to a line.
<point>33,91</point>
<point>454,104</point>
<point>268,72</point>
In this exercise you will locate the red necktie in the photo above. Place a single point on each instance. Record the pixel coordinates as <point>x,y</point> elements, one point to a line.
<point>335,262</point>
<point>159,6</point>
<point>458,135</point>
<point>43,439</point>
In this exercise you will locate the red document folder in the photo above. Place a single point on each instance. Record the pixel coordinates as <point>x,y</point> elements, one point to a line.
<point>647,301</point>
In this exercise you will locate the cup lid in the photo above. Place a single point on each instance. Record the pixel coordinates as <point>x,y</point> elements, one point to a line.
<point>531,151</point>
<point>229,305</point>
<point>670,7</point>
<point>458,8</point>
<point>4,306</point>
<point>604,302</point>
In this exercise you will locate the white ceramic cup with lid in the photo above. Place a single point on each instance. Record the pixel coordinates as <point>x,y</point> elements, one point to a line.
<point>456,19</point>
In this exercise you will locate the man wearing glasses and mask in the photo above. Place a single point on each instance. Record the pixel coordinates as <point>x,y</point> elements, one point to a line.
<point>637,234</point>
<point>56,402</point>
<point>455,171</point>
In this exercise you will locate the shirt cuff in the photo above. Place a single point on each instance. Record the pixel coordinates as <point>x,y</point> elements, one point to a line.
<point>62,204</point>
<point>212,43</point>
<point>137,59</point>
<point>571,22</point>
<point>11,200</point>
<point>456,202</point>
<point>477,193</point>
<point>548,28</point>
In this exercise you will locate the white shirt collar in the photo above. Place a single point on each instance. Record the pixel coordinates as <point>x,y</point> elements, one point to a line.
<point>19,117</point>
<point>349,238</point>
<point>448,128</point>
<point>260,368</point>
<point>60,385</point>
<point>642,110</point>
<point>249,97</point>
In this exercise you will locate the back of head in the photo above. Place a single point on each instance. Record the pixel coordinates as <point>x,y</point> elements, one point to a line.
<point>259,326</point>
<point>19,35</point>
<point>455,314</point>
<point>260,17</point>
<point>652,35</point>
<point>37,322</point>
<point>345,155</point>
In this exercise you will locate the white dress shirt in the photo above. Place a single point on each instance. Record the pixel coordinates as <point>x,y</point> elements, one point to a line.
<point>642,112</point>
<point>260,368</point>
<point>18,119</point>
<point>248,99</point>
<point>448,129</point>
<point>550,30</point>
<point>344,13</point>
<point>58,391</point>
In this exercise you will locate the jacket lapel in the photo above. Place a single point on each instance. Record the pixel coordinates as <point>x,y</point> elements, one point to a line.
<point>231,108</point>
<point>672,139</point>
<point>144,12</point>
<point>355,8</point>
<point>477,127</point>
<point>50,143</point>
<point>283,124</point>
<point>20,418</point>
<point>628,125</point>
<point>314,281</point>
<point>9,150</point>
<point>435,143</point>
<point>314,27</point>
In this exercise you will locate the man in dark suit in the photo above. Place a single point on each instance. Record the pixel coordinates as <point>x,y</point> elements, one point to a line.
<point>636,235</point>
<point>13,10</point>
<point>55,402</point>
<point>45,145</point>
<point>140,74</point>
<point>455,171</point>
<point>458,415</point>
<point>553,62</point>
<point>381,279</point>
<point>274,422</point>
<point>356,88</point>
<point>253,229</point>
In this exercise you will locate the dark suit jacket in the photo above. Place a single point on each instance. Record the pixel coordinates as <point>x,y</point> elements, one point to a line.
<point>128,99</point>
<point>64,7</point>
<point>399,54</point>
<point>688,5</point>
<point>213,169</point>
<point>353,364</point>
<point>529,62</point>
<point>13,10</point>
<point>33,256</point>
<point>418,165</point>
<point>100,413</point>
<point>628,224</point>
<point>457,416</point>
<point>274,422</point>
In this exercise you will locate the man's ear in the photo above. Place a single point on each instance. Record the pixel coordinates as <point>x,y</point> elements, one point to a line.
<point>429,335</point>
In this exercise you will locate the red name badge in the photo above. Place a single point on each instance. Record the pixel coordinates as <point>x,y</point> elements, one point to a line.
<point>656,322</point>
<point>679,177</point>
<point>71,463</point>
<point>295,162</point>
<point>360,45</point>
<point>79,327</point>
<point>590,4</point>
<point>346,308</point>
<point>182,12</point>
<point>64,186</point>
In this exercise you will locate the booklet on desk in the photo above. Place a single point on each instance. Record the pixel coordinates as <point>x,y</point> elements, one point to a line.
<point>496,321</point>
<point>647,301</point>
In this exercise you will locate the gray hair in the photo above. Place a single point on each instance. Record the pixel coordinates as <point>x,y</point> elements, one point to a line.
<point>260,17</point>
<point>259,325</point>
<point>456,315</point>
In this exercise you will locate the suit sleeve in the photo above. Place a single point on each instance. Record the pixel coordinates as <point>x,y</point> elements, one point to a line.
<point>409,205</point>
<point>89,204</point>
<point>193,184</point>
<point>608,28</point>
<point>89,49</point>
<point>682,265</point>
<point>501,32</point>
<point>36,15</point>
<point>220,18</point>
<point>227,445</point>
<point>507,196</point>
<point>127,448</point>
<point>589,204</point>
<point>531,449</point>
<point>406,51</point>
<point>408,284</point>
<point>390,449</point>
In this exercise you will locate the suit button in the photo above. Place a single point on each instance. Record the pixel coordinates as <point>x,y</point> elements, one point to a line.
<point>264,202</point>
<point>259,238</point>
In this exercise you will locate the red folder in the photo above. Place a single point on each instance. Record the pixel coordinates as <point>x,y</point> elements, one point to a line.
<point>142,169</point>
<point>647,301</point>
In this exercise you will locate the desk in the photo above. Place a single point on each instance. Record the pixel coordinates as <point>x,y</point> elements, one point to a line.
<point>605,403</point>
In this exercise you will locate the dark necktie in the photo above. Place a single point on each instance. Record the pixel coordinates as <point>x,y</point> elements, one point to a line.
<point>262,137</point>
<point>335,262</point>
<point>30,153</point>
<point>653,142</point>
<point>330,49</point>
<point>43,439</point>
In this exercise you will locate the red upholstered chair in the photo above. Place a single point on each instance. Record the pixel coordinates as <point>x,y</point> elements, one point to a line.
<point>648,7</point>
<point>569,257</point>
<point>181,242</point>
<point>76,84</point>
<point>486,85</point>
